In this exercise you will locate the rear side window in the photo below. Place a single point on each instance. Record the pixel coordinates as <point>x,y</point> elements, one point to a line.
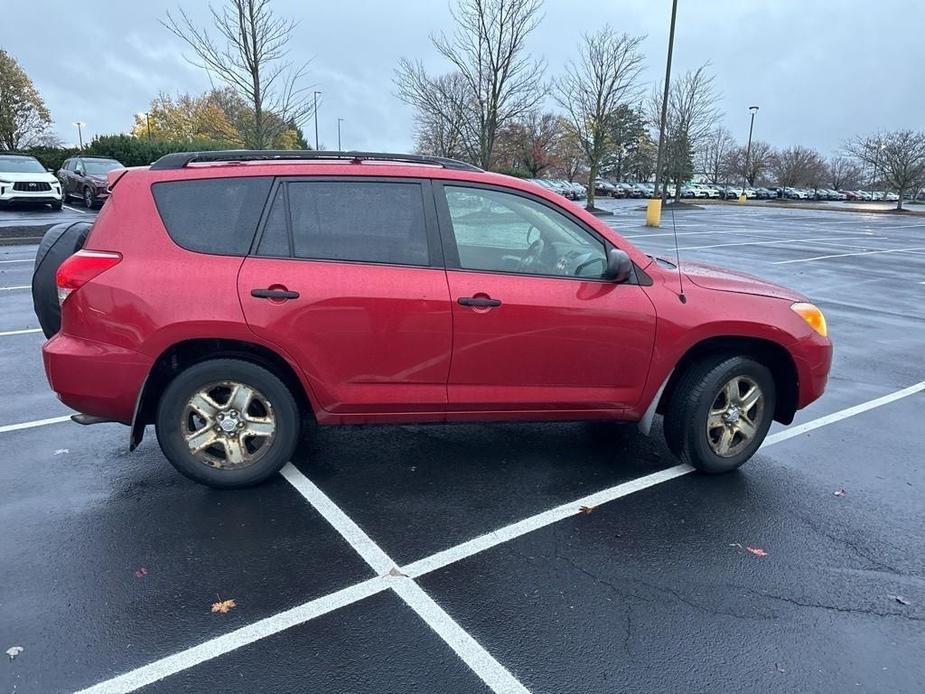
<point>367,221</point>
<point>213,215</point>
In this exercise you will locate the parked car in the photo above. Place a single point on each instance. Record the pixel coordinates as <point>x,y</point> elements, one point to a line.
<point>602,187</point>
<point>622,190</point>
<point>24,179</point>
<point>891,197</point>
<point>399,288</point>
<point>85,178</point>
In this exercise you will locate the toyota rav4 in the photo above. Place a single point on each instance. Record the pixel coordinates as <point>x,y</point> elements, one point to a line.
<point>229,297</point>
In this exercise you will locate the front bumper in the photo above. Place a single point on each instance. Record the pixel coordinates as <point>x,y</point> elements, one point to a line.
<point>7,194</point>
<point>95,378</point>
<point>813,361</point>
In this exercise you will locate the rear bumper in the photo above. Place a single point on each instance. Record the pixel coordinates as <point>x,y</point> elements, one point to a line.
<point>95,378</point>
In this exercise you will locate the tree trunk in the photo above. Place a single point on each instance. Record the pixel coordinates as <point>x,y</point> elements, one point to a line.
<point>592,176</point>
<point>902,194</point>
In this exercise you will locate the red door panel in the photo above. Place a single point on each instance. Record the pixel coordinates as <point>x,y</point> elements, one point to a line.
<point>370,338</point>
<point>551,344</point>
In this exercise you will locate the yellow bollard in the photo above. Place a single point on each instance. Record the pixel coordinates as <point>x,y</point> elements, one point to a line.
<point>742,198</point>
<point>654,212</point>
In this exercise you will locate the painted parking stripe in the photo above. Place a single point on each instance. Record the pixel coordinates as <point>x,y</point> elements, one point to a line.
<point>24,260</point>
<point>269,626</point>
<point>35,423</point>
<point>846,255</point>
<point>27,331</point>
<point>74,209</point>
<point>10,289</point>
<point>765,243</point>
<point>489,670</point>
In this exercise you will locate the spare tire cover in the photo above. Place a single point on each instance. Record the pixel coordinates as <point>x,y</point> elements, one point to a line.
<point>58,244</point>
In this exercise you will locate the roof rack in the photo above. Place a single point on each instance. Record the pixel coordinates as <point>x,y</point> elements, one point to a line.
<point>179,160</point>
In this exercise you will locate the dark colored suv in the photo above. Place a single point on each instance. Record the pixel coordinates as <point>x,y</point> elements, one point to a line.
<point>85,178</point>
<point>226,297</point>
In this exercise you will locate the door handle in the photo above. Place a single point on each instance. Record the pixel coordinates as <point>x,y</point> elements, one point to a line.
<point>274,294</point>
<point>478,301</point>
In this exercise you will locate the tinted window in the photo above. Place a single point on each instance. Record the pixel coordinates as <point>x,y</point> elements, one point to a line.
<point>215,215</point>
<point>101,166</point>
<point>275,238</point>
<point>20,164</point>
<point>366,221</point>
<point>504,232</point>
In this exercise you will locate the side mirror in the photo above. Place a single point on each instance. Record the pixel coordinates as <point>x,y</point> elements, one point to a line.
<point>619,266</point>
<point>50,170</point>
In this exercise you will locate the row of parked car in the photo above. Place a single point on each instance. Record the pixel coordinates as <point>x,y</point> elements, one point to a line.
<point>23,179</point>
<point>568,189</point>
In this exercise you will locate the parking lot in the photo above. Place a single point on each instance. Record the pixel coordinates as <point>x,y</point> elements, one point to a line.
<point>508,557</point>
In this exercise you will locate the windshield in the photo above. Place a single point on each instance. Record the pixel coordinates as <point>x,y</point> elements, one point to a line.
<point>20,165</point>
<point>100,166</point>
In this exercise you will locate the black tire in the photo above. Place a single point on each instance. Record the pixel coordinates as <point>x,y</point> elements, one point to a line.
<point>685,424</point>
<point>89,199</point>
<point>58,244</point>
<point>57,205</point>
<point>171,408</point>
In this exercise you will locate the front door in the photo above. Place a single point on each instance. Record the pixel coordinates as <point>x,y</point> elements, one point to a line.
<point>347,278</point>
<point>535,326</point>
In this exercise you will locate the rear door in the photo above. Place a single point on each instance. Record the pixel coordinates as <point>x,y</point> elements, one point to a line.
<point>347,277</point>
<point>535,326</point>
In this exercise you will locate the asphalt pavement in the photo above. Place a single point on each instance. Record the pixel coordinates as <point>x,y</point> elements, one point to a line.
<point>552,558</point>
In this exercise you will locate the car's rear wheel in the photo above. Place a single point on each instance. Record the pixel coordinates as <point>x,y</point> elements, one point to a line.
<point>227,423</point>
<point>719,413</point>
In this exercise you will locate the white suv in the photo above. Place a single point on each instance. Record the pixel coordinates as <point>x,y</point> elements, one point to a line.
<point>24,179</point>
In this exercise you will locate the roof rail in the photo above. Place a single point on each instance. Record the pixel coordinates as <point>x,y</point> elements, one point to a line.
<point>179,160</point>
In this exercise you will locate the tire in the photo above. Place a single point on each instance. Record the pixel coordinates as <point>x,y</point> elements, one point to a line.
<point>272,401</point>
<point>57,205</point>
<point>702,389</point>
<point>89,199</point>
<point>58,244</point>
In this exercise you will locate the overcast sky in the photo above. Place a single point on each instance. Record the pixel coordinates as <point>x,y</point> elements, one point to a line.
<point>820,71</point>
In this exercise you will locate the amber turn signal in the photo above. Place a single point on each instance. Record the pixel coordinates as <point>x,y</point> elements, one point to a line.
<point>813,317</point>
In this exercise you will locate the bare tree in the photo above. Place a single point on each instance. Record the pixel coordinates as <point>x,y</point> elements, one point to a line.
<point>798,166</point>
<point>843,172</point>
<point>441,110</point>
<point>758,162</point>
<point>713,154</point>
<point>529,144</point>
<point>898,157</point>
<point>592,90</point>
<point>249,56</point>
<point>487,50</point>
<point>692,112</point>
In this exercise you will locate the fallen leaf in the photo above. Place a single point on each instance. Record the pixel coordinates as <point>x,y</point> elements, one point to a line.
<point>585,509</point>
<point>757,551</point>
<point>62,451</point>
<point>14,651</point>
<point>223,606</point>
<point>141,572</point>
<point>900,599</point>
<point>840,492</point>
<point>779,668</point>
<point>394,571</point>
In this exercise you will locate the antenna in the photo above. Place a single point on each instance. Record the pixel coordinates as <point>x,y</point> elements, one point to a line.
<point>677,255</point>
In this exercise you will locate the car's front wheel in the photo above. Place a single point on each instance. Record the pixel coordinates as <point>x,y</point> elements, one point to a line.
<point>719,413</point>
<point>89,198</point>
<point>227,423</point>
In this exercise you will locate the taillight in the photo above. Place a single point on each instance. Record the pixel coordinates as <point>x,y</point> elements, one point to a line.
<point>82,267</point>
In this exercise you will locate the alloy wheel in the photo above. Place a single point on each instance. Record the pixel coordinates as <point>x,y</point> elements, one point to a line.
<point>734,416</point>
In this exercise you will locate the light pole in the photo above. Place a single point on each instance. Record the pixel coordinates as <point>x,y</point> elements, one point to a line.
<point>147,117</point>
<point>654,207</point>
<point>748,154</point>
<point>339,121</point>
<point>80,137</point>
<point>315,95</point>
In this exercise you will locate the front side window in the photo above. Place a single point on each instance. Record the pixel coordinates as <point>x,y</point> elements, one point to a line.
<point>378,222</point>
<point>505,232</point>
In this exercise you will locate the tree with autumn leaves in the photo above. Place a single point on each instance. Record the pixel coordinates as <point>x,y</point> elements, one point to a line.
<point>24,117</point>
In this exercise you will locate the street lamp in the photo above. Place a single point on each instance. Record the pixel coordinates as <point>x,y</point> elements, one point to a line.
<point>80,137</point>
<point>654,207</point>
<point>315,96</point>
<point>339,121</point>
<point>748,153</point>
<point>147,117</point>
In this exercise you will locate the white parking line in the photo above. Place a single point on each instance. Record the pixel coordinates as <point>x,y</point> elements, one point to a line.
<point>20,332</point>
<point>9,289</point>
<point>274,624</point>
<point>24,260</point>
<point>491,672</point>
<point>765,243</point>
<point>74,209</point>
<point>35,423</point>
<point>846,255</point>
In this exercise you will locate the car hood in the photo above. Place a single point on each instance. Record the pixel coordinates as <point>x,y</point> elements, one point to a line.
<point>14,176</point>
<point>724,280</point>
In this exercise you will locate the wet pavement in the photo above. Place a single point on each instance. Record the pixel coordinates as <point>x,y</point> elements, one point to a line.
<point>110,561</point>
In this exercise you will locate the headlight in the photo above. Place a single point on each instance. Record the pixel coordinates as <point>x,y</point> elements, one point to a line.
<point>813,317</point>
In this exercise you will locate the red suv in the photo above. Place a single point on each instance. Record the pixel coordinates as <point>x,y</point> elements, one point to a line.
<point>226,297</point>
